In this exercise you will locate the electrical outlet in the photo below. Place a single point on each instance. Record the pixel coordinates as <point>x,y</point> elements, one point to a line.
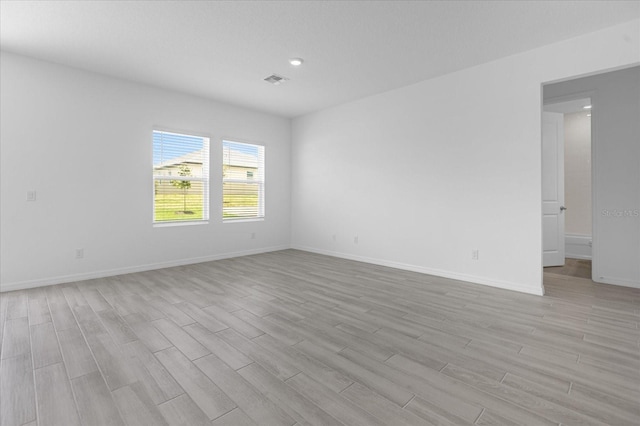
<point>253,235</point>
<point>31,195</point>
<point>80,253</point>
<point>475,254</point>
<point>355,239</point>
<point>333,237</point>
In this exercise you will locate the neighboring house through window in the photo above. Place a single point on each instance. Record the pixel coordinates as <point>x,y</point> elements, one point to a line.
<point>242,181</point>
<point>180,177</point>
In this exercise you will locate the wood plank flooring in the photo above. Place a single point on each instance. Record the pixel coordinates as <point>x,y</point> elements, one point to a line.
<point>579,268</point>
<point>294,338</point>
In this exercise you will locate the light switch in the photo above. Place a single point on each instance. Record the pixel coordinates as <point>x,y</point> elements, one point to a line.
<point>31,195</point>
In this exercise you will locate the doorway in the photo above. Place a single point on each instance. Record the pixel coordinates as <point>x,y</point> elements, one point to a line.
<point>567,187</point>
<point>615,156</point>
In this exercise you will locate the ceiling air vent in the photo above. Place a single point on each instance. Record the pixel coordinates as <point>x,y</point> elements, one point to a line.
<point>275,79</point>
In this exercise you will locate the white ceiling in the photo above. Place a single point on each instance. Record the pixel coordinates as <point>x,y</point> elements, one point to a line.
<point>352,49</point>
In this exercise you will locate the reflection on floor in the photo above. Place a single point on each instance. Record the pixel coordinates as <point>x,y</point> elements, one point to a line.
<point>579,268</point>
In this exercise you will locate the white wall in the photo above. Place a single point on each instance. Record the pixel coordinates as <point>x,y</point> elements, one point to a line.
<point>577,173</point>
<point>616,143</point>
<point>577,184</point>
<point>83,142</point>
<point>578,246</point>
<point>426,173</point>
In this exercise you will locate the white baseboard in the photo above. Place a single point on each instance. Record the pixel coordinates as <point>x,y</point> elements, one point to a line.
<point>618,281</point>
<point>507,285</point>
<point>577,246</point>
<point>22,285</point>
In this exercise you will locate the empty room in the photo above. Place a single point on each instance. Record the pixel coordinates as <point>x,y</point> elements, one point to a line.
<point>319,213</point>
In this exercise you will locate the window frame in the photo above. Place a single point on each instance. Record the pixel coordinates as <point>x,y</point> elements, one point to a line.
<point>205,178</point>
<point>259,178</point>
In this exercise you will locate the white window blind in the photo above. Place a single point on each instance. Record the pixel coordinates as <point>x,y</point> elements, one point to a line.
<point>243,181</point>
<point>180,177</point>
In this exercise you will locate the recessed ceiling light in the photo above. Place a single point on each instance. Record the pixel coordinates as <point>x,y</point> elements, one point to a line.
<point>587,107</point>
<point>588,115</point>
<point>296,62</point>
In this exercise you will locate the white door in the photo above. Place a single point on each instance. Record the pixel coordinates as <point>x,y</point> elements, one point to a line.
<point>552,189</point>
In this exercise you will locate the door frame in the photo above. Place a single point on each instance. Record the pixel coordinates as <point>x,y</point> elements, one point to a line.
<point>594,216</point>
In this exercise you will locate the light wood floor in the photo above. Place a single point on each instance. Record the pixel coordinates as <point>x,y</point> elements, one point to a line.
<point>579,268</point>
<point>297,338</point>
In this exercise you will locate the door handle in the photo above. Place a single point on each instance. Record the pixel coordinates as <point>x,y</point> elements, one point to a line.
<point>562,208</point>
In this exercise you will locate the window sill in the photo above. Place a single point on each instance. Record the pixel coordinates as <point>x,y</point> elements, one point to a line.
<point>185,223</point>
<point>257,219</point>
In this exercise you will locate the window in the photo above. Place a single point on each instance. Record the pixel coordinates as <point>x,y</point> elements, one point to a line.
<point>242,181</point>
<point>180,177</point>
